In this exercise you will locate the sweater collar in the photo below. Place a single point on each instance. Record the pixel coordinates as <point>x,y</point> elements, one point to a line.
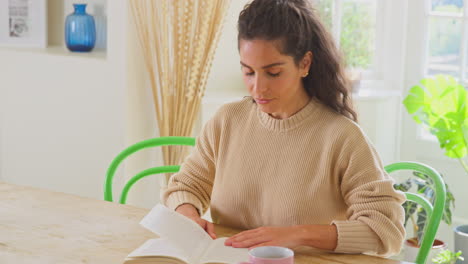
<point>282,125</point>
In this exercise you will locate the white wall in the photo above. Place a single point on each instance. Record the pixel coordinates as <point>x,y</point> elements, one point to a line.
<point>65,117</point>
<point>225,73</point>
<point>62,115</point>
<point>141,123</point>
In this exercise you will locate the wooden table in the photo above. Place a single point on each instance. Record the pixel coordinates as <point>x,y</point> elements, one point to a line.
<point>45,227</point>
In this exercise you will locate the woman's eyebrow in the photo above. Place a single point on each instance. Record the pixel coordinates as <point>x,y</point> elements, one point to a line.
<point>264,67</point>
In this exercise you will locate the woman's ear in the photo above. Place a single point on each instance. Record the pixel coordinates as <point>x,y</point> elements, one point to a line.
<point>307,61</point>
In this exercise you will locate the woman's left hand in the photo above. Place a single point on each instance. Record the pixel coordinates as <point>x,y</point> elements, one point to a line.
<point>289,237</point>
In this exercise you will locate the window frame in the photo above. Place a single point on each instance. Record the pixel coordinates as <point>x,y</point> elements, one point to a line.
<point>416,142</point>
<point>463,17</point>
<point>389,36</point>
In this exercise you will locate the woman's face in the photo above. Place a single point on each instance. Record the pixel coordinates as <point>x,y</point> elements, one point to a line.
<point>273,79</point>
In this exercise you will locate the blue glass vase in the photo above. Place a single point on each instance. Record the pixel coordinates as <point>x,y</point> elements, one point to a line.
<point>80,30</point>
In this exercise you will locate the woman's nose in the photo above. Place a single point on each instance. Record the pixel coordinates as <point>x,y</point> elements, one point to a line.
<point>259,84</point>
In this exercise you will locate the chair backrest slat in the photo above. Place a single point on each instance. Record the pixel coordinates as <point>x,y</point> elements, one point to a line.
<point>434,213</point>
<point>154,142</point>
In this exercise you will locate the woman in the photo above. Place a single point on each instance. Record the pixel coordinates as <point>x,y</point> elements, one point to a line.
<point>289,163</point>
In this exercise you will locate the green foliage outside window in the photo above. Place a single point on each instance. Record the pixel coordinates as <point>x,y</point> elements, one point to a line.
<point>357,30</point>
<point>324,8</point>
<point>445,33</point>
<point>357,35</point>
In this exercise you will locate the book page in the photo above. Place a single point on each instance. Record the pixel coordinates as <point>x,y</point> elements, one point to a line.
<point>217,252</point>
<point>182,232</point>
<point>158,247</point>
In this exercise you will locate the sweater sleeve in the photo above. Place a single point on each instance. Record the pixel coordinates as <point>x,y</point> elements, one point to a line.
<point>375,216</point>
<point>194,182</point>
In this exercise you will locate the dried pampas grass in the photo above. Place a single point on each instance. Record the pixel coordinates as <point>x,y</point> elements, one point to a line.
<point>178,39</point>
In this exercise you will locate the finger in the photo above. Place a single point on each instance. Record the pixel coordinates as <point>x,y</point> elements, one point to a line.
<point>244,235</point>
<point>210,229</point>
<point>229,241</point>
<point>249,242</point>
<point>200,222</point>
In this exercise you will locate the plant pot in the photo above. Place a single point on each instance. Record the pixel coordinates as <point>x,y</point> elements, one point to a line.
<point>411,249</point>
<point>461,241</point>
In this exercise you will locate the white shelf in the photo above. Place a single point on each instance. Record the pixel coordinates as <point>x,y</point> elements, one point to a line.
<point>63,51</point>
<point>60,51</point>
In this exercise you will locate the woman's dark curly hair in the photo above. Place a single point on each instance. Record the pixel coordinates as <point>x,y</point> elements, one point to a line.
<point>296,24</point>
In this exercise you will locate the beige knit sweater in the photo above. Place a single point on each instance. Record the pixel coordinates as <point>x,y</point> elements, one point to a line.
<point>316,167</point>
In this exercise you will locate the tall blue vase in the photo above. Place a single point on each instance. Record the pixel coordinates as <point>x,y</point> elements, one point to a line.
<point>80,30</point>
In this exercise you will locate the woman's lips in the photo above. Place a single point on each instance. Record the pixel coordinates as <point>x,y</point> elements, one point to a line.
<point>262,101</point>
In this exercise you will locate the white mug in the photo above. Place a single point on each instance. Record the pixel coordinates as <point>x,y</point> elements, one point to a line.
<point>270,255</point>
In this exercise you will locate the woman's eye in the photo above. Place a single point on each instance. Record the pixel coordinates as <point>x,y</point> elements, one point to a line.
<point>269,74</point>
<point>274,74</point>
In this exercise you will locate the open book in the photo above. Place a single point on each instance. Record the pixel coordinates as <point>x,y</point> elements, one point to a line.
<point>181,241</point>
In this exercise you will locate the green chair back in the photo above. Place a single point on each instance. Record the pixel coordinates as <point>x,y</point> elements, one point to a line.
<point>434,212</point>
<point>154,142</point>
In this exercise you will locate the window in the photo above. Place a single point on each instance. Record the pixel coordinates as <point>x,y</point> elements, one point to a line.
<point>437,44</point>
<point>371,35</point>
<point>447,29</point>
<point>354,23</point>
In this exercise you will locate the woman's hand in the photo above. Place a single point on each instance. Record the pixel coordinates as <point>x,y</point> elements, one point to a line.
<point>289,237</point>
<point>318,236</point>
<point>191,212</point>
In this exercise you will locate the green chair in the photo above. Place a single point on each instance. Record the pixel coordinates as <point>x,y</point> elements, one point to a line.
<point>434,213</point>
<point>154,142</point>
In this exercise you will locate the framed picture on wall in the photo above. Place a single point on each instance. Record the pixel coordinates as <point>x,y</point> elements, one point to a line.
<point>23,23</point>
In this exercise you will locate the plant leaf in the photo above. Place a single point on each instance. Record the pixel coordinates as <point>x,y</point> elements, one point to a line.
<point>415,99</point>
<point>425,187</point>
<point>441,103</point>
<point>421,223</point>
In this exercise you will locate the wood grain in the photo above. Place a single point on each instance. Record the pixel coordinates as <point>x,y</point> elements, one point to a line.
<point>44,227</point>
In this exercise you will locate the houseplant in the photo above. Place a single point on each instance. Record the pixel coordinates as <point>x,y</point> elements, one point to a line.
<point>417,216</point>
<point>447,257</point>
<point>440,104</point>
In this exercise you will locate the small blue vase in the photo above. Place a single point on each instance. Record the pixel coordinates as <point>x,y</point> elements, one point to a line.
<point>80,30</point>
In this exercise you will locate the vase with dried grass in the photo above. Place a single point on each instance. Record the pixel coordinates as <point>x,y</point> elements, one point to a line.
<point>178,39</point>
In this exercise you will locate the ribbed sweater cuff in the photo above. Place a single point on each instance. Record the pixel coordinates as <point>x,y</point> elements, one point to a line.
<point>355,237</point>
<point>182,197</point>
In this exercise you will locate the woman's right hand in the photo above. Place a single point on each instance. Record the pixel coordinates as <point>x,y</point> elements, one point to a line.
<point>191,212</point>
